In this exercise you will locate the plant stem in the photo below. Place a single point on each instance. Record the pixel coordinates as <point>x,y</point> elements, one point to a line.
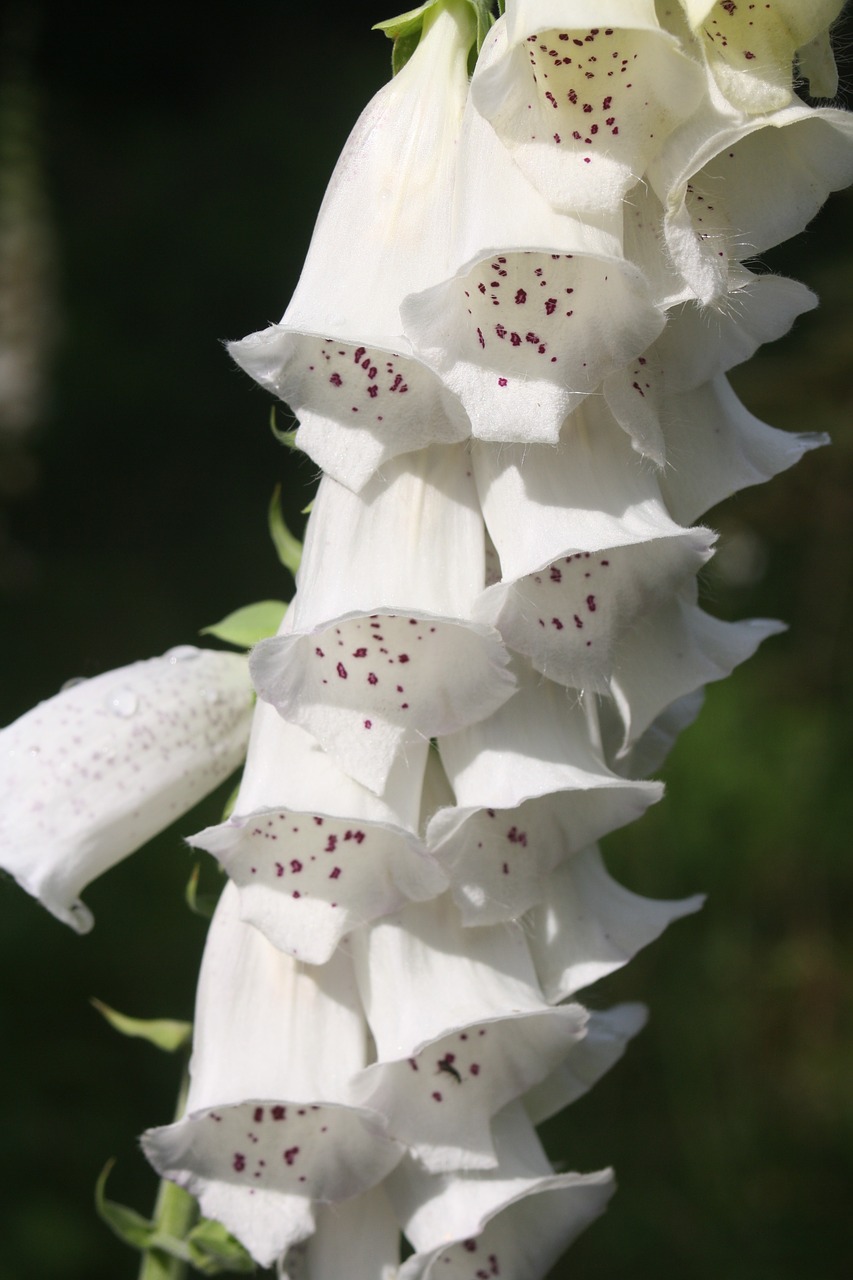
<point>175,1211</point>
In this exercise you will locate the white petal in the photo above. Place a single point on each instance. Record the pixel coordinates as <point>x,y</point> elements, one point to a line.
<point>460,1030</point>
<point>512,1222</point>
<point>734,185</point>
<point>265,1131</point>
<point>606,1039</point>
<point>539,307</point>
<point>590,925</point>
<point>645,756</point>
<point>584,108</point>
<point>750,48</point>
<point>531,790</point>
<point>674,651</point>
<point>699,342</point>
<point>313,853</point>
<point>586,547</point>
<point>338,356</point>
<point>358,1239</point>
<point>377,650</point>
<point>93,773</point>
<point>715,447</point>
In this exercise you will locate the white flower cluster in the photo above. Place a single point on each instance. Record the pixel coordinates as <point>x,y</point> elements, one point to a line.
<point>507,353</point>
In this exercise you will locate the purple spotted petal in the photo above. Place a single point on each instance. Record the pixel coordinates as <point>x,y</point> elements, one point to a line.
<point>584,109</point>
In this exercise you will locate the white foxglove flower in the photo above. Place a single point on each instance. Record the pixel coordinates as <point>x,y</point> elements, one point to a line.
<point>538,306</point>
<point>586,547</point>
<point>93,773</point>
<point>314,854</point>
<point>378,649</point>
<point>589,925</point>
<point>734,185</point>
<point>267,1129</point>
<point>514,1221</point>
<point>338,356</point>
<point>750,47</point>
<point>531,789</point>
<point>584,107</point>
<point>461,1029</point>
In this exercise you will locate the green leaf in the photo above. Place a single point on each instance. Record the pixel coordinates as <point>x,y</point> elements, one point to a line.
<point>245,627</point>
<point>126,1223</point>
<point>287,438</point>
<point>213,1250</point>
<point>201,904</point>
<point>288,548</point>
<point>164,1033</point>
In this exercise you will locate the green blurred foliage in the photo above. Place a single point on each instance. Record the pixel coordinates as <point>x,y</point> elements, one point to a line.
<point>184,153</point>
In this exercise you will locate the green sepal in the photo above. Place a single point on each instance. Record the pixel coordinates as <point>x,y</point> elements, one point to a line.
<point>167,1034</point>
<point>126,1223</point>
<point>213,1250</point>
<point>202,904</point>
<point>287,438</point>
<point>407,29</point>
<point>288,548</point>
<point>245,627</point>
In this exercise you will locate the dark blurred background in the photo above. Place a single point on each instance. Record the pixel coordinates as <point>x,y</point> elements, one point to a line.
<point>160,170</point>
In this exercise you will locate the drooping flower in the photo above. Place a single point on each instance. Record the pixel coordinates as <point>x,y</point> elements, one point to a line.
<point>584,107</point>
<point>93,773</point>
<point>339,356</point>
<point>269,1129</point>
<point>314,854</point>
<point>537,306</point>
<point>379,648</point>
<point>531,789</point>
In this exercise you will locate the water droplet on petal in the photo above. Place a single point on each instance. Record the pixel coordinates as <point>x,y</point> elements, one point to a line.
<point>182,653</point>
<point>122,702</point>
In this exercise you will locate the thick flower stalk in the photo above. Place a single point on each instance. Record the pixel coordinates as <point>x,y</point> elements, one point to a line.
<point>508,354</point>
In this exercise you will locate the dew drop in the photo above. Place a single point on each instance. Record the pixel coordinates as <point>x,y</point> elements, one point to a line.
<point>122,703</point>
<point>182,653</point>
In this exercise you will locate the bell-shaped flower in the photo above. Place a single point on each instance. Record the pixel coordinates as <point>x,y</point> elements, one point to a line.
<point>267,1130</point>
<point>589,925</point>
<point>584,107</point>
<point>90,775</point>
<point>378,649</point>
<point>538,306</point>
<point>531,790</point>
<point>734,185</point>
<point>338,356</point>
<point>513,1221</point>
<point>586,546</point>
<point>313,853</point>
<point>461,1029</point>
<point>750,48</point>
